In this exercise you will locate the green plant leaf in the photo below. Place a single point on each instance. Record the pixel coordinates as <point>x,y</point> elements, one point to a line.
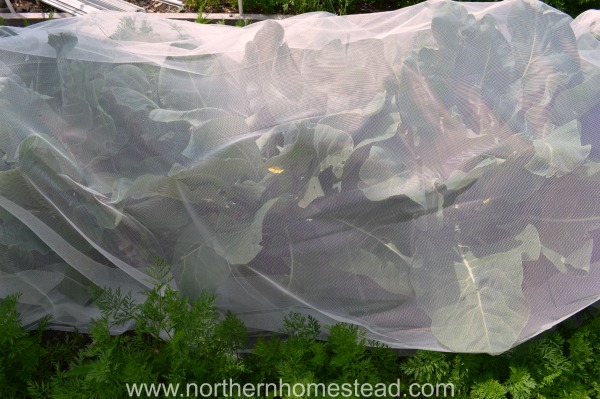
<point>195,117</point>
<point>33,285</point>
<point>132,99</point>
<point>573,102</point>
<point>226,137</point>
<point>559,153</point>
<point>313,191</point>
<point>13,232</point>
<point>74,285</point>
<point>538,51</point>
<point>483,307</point>
<point>17,103</point>
<point>333,145</point>
<point>240,244</point>
<point>128,76</point>
<point>579,259</point>
<point>390,272</point>
<point>237,241</point>
<point>386,173</point>
<point>213,183</point>
<point>202,269</point>
<point>189,82</point>
<point>382,121</point>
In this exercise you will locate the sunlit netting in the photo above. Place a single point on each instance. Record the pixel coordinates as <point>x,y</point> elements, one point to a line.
<point>431,174</point>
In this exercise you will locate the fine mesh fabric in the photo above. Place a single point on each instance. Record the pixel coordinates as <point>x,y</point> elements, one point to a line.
<point>431,174</point>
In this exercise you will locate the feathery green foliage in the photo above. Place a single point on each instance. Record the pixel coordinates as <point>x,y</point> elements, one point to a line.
<point>19,357</point>
<point>175,341</point>
<point>564,363</point>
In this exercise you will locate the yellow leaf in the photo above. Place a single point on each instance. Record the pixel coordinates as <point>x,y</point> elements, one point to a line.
<point>275,169</point>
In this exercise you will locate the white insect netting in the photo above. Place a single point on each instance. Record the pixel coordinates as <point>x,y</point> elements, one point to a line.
<point>431,174</point>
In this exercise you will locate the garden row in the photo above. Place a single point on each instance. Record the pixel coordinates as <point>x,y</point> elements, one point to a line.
<point>225,11</point>
<point>174,342</point>
<point>343,7</point>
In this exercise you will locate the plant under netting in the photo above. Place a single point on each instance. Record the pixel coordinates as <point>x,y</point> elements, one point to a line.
<point>430,174</point>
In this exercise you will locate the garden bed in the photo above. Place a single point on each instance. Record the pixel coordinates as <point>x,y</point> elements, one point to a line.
<point>19,18</point>
<point>214,9</point>
<point>206,348</point>
<point>263,8</point>
<point>33,6</point>
<point>191,6</point>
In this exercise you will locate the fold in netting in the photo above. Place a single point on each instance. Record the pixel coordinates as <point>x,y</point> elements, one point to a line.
<point>430,174</point>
